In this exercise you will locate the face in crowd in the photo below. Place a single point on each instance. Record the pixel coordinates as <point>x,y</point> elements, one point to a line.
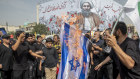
<point>39,39</point>
<point>135,37</point>
<point>6,40</point>
<point>30,39</point>
<point>96,35</point>
<point>49,42</point>
<point>56,39</point>
<point>33,38</point>
<point>107,33</point>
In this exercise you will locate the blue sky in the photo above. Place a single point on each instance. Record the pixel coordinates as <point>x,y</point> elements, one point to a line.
<point>17,12</point>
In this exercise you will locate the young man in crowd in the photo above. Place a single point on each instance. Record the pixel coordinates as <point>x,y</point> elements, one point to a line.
<point>32,60</point>
<point>57,45</point>
<point>107,70</point>
<point>39,46</point>
<point>33,38</point>
<point>124,53</point>
<point>21,52</point>
<point>6,58</point>
<point>51,60</point>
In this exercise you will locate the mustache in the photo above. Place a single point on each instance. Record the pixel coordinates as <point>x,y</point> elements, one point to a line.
<point>86,13</point>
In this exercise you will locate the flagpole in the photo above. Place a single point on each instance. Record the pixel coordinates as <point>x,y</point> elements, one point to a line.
<point>114,25</point>
<point>117,22</point>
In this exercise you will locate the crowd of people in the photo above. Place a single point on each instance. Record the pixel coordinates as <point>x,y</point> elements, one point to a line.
<point>111,57</point>
<point>28,58</point>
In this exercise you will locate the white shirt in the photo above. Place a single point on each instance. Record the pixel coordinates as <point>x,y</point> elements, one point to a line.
<point>87,24</point>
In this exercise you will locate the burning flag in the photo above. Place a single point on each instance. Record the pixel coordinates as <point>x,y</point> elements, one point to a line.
<point>75,57</point>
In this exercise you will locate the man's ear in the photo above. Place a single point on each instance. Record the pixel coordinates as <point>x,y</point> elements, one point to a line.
<point>17,37</point>
<point>119,31</point>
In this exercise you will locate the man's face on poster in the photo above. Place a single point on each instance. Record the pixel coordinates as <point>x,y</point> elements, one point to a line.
<point>86,6</point>
<point>86,9</point>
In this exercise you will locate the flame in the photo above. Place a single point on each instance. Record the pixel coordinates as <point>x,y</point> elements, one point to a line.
<point>75,35</point>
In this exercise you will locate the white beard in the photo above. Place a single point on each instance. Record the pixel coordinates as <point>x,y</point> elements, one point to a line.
<point>86,13</point>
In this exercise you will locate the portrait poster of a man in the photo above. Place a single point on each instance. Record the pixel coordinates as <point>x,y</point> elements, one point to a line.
<point>88,20</point>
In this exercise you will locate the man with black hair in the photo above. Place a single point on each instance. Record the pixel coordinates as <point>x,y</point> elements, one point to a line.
<point>6,58</point>
<point>39,46</point>
<point>21,52</point>
<point>57,45</point>
<point>124,54</point>
<point>34,38</point>
<point>107,70</point>
<point>32,60</point>
<point>51,60</point>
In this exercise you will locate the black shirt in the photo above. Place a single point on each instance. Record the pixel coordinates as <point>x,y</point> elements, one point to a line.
<point>31,47</point>
<point>6,57</point>
<point>130,48</point>
<point>51,57</point>
<point>21,56</point>
<point>97,58</point>
<point>106,51</point>
<point>39,46</point>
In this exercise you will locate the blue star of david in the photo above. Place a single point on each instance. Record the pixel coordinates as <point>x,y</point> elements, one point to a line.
<point>72,64</point>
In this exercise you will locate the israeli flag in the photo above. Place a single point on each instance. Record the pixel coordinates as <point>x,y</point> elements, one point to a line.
<point>74,54</point>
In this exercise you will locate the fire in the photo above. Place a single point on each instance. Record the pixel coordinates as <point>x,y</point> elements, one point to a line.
<point>75,36</point>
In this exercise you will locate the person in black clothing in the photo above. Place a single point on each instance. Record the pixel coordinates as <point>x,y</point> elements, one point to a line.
<point>51,60</point>
<point>107,70</point>
<point>124,54</point>
<point>21,52</point>
<point>39,46</point>
<point>135,37</point>
<point>33,38</point>
<point>32,60</point>
<point>95,55</point>
<point>6,58</point>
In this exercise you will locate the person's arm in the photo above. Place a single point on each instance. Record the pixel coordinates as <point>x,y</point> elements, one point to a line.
<point>124,58</point>
<point>97,47</point>
<point>0,66</point>
<point>102,63</point>
<point>118,77</point>
<point>91,58</point>
<point>34,54</point>
<point>16,45</point>
<point>39,52</point>
<point>40,65</point>
<point>96,52</point>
